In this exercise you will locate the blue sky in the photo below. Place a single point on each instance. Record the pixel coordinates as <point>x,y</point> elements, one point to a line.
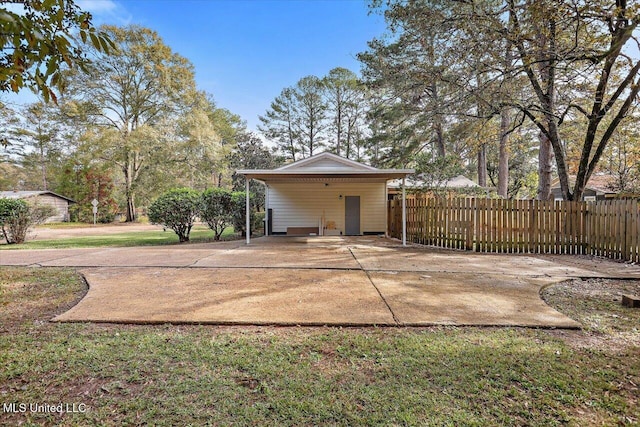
<point>246,51</point>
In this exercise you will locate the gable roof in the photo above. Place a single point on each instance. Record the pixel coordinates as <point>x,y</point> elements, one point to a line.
<point>327,162</point>
<point>27,194</point>
<point>601,183</point>
<point>324,166</point>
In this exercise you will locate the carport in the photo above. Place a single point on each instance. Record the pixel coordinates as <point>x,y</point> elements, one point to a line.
<point>327,195</point>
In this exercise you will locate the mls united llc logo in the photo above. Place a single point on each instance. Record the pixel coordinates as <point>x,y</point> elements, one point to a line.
<point>44,408</point>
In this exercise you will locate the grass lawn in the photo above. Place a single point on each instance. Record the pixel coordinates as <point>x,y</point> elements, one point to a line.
<point>199,234</point>
<point>199,375</point>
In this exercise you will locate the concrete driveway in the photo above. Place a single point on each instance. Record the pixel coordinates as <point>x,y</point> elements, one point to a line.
<point>316,281</point>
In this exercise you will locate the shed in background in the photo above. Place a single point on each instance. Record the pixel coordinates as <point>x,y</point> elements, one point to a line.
<point>58,202</point>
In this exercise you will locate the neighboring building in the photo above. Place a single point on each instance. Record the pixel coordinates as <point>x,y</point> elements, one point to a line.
<point>326,195</point>
<point>456,183</point>
<point>59,203</point>
<point>599,187</point>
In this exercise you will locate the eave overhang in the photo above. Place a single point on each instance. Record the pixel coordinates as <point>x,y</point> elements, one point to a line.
<point>267,175</point>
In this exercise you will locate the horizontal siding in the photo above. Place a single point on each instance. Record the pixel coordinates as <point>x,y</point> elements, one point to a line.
<point>303,204</point>
<point>60,205</point>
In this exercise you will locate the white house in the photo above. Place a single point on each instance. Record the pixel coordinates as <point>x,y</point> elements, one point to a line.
<point>326,195</point>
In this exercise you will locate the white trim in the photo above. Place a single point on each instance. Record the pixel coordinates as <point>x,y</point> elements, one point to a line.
<point>267,220</point>
<point>386,209</point>
<point>295,175</point>
<point>247,213</point>
<point>404,215</point>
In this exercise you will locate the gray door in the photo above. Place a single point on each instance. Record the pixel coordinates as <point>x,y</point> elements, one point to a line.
<point>352,215</point>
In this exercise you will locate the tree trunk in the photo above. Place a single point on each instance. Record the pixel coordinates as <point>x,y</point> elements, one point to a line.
<point>339,130</point>
<point>437,125</point>
<point>545,167</point>
<point>503,162</point>
<point>43,167</point>
<point>482,166</point>
<point>131,204</point>
<point>131,208</point>
<point>439,139</point>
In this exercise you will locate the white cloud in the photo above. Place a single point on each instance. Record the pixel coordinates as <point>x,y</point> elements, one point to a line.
<point>106,11</point>
<point>97,6</point>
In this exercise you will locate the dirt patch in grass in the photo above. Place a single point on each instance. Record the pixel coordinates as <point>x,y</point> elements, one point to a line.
<point>597,305</point>
<point>37,294</point>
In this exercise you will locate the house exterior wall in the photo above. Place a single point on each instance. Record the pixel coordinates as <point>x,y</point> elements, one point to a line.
<point>60,205</point>
<point>302,204</point>
<point>556,193</point>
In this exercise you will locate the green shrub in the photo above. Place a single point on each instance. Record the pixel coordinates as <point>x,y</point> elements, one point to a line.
<point>17,216</point>
<point>216,209</point>
<point>176,209</point>
<point>239,216</point>
<point>257,222</point>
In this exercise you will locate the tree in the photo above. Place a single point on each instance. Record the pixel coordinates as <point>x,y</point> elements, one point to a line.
<point>621,160</point>
<point>534,57</point>
<point>559,47</point>
<point>239,212</point>
<point>176,209</point>
<point>84,183</point>
<point>8,120</point>
<point>523,177</point>
<point>345,99</point>
<point>12,177</point>
<point>134,96</point>
<point>38,144</point>
<point>434,173</point>
<point>251,153</point>
<point>413,73</point>
<point>17,216</point>
<point>434,72</point>
<point>280,123</point>
<point>312,109</point>
<point>296,119</point>
<point>217,210</point>
<point>230,127</point>
<point>38,38</point>
<point>206,135</point>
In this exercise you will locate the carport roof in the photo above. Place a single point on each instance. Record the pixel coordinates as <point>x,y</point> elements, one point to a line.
<point>325,166</point>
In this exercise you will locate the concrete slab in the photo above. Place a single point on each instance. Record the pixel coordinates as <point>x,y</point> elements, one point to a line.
<point>468,299</point>
<point>160,256</point>
<point>283,257</point>
<point>410,259</point>
<point>37,256</point>
<point>133,257</point>
<point>315,281</point>
<point>230,296</point>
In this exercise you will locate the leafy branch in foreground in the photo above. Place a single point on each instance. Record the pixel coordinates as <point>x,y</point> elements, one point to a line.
<point>38,38</point>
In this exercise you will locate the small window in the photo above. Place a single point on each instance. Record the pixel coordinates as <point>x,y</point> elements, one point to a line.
<point>589,198</point>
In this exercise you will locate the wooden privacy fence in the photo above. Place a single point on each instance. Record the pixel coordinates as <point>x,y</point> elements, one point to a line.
<point>604,228</point>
